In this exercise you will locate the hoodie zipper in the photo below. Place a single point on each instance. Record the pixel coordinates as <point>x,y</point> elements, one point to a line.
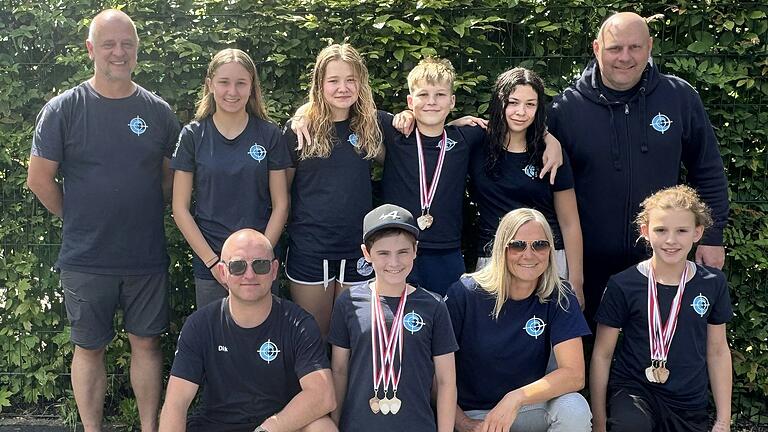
<point>628,201</point>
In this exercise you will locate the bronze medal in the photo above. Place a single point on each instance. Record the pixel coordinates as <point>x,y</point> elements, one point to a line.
<point>374,403</point>
<point>662,373</point>
<point>384,406</point>
<point>425,221</point>
<point>394,405</point>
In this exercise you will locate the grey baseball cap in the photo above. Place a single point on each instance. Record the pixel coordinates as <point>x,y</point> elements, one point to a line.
<point>389,216</point>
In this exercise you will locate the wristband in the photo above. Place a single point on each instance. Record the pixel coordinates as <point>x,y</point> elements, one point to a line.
<point>215,261</point>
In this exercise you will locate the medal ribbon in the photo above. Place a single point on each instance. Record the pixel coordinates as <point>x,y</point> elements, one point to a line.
<point>660,336</point>
<point>386,341</point>
<point>427,193</point>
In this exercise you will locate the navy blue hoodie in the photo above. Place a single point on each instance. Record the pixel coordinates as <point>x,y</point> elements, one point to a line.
<point>622,152</point>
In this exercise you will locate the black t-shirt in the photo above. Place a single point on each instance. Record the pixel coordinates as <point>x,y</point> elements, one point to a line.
<point>400,181</point>
<point>427,333</point>
<point>625,306</point>
<point>522,336</point>
<point>331,196</point>
<point>247,374</point>
<point>110,154</point>
<point>224,170</point>
<point>518,185</point>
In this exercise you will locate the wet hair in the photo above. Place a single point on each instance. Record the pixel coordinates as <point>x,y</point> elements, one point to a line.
<point>206,105</point>
<point>496,279</point>
<point>363,117</point>
<point>505,85</point>
<point>432,70</point>
<point>388,232</point>
<point>680,197</point>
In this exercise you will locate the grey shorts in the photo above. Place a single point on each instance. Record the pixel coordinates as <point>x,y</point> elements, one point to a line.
<point>92,299</point>
<point>208,291</point>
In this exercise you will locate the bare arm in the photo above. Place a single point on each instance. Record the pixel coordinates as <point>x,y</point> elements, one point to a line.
<point>599,371</point>
<point>278,192</point>
<point>313,401</point>
<point>167,180</point>
<point>552,157</point>
<point>339,365</point>
<point>445,377</point>
<point>182,199</point>
<point>179,395</point>
<point>568,218</point>
<point>567,378</point>
<point>41,180</point>
<point>300,128</point>
<point>720,369</point>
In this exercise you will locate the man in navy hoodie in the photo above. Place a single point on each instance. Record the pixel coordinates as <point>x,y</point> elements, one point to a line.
<point>626,128</point>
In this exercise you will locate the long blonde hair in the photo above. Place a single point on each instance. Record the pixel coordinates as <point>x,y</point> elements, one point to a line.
<point>496,279</point>
<point>206,105</point>
<point>363,118</point>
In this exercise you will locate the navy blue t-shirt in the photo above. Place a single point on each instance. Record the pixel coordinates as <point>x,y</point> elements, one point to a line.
<point>231,178</point>
<point>625,306</point>
<point>110,154</point>
<point>498,356</point>
<point>515,187</point>
<point>331,196</point>
<point>400,180</point>
<point>427,333</point>
<point>246,374</point>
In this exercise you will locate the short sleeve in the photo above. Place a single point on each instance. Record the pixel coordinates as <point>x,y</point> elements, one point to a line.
<point>339,332</point>
<point>456,303</point>
<point>474,135</point>
<point>50,133</point>
<point>188,361</point>
<point>290,142</point>
<point>443,339</point>
<point>722,311</point>
<point>569,322</point>
<point>183,158</point>
<point>388,132</point>
<point>173,128</point>
<point>564,178</point>
<point>613,310</point>
<point>309,347</point>
<point>279,158</point>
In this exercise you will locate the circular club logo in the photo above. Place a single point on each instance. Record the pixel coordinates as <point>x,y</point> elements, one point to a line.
<point>535,327</point>
<point>700,304</point>
<point>661,123</point>
<point>257,152</point>
<point>413,322</point>
<point>353,139</point>
<point>268,351</point>
<point>364,268</point>
<point>138,125</point>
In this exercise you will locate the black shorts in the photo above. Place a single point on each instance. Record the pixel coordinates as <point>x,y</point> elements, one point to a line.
<point>92,299</point>
<point>310,269</point>
<point>634,408</point>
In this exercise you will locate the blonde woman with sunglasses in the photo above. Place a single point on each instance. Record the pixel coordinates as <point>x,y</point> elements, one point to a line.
<point>507,317</point>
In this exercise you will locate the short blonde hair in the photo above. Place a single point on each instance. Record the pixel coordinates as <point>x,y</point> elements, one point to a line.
<point>432,70</point>
<point>496,279</point>
<point>680,197</point>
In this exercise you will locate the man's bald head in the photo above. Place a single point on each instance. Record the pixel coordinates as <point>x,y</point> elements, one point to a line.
<point>109,17</point>
<point>247,243</point>
<point>622,48</point>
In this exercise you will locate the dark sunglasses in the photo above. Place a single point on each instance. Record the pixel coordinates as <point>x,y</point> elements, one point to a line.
<point>259,266</point>
<point>522,245</point>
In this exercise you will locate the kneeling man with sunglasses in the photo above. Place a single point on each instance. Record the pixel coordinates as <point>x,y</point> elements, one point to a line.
<point>260,359</point>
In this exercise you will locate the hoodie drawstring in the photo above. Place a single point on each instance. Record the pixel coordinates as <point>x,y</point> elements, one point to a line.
<point>615,154</point>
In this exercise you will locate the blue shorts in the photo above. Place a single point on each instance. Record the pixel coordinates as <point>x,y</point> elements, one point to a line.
<point>310,269</point>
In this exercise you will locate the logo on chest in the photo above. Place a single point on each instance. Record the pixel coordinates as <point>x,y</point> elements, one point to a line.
<point>700,304</point>
<point>413,322</point>
<point>137,125</point>
<point>364,268</point>
<point>535,327</point>
<point>352,139</point>
<point>257,152</point>
<point>449,144</point>
<point>268,351</point>
<point>661,123</point>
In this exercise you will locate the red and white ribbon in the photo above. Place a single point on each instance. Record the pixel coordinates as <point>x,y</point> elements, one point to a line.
<point>427,192</point>
<point>660,336</point>
<point>387,343</point>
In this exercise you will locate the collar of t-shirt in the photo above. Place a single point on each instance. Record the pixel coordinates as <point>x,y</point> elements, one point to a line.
<point>622,96</point>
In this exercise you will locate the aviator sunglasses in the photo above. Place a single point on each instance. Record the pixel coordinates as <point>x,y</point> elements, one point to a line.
<point>522,245</point>
<point>238,267</point>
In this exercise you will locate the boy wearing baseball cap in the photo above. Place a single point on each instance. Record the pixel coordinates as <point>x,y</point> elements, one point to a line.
<point>390,338</point>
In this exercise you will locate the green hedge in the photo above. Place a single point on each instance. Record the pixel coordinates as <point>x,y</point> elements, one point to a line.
<point>719,47</point>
